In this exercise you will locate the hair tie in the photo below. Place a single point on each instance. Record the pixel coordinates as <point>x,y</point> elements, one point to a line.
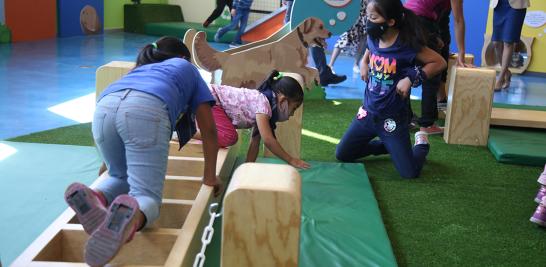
<point>278,77</point>
<point>154,45</point>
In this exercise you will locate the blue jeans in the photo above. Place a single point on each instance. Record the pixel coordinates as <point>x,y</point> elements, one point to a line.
<point>357,143</point>
<point>241,15</point>
<point>288,11</point>
<point>132,132</point>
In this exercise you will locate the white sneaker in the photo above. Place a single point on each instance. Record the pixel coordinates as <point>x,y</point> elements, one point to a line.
<point>421,138</point>
<point>356,69</point>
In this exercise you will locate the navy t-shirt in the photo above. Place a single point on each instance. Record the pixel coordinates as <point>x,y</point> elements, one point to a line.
<point>387,67</point>
<point>175,81</point>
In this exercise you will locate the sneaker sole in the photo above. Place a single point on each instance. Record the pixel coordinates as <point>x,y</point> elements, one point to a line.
<point>107,240</point>
<point>89,210</point>
<point>538,221</point>
<point>538,200</point>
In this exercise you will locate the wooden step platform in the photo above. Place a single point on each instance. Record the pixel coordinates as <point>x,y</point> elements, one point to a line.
<point>518,118</point>
<point>173,240</point>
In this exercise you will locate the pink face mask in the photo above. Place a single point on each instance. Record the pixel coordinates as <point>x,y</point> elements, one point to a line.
<point>283,112</point>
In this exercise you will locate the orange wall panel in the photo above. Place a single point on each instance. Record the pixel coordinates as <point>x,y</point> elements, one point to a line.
<point>31,19</point>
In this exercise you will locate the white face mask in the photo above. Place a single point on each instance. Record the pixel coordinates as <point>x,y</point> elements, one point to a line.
<point>282,111</point>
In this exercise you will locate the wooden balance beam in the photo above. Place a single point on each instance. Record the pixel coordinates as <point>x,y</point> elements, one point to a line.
<point>262,214</point>
<point>518,118</point>
<point>173,240</point>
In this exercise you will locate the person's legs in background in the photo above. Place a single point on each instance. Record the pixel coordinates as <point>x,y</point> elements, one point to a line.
<point>288,11</point>
<point>429,105</point>
<point>445,35</point>
<point>244,13</point>
<point>234,22</point>
<point>220,4</point>
<point>360,50</point>
<point>505,75</point>
<point>325,73</point>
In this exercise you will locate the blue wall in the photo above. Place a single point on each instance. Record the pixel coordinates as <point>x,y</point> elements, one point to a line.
<point>475,15</point>
<point>69,15</point>
<point>2,18</point>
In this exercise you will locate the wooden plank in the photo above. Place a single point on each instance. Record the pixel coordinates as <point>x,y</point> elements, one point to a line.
<point>518,118</point>
<point>186,167</point>
<point>173,213</point>
<point>469,106</point>
<point>181,188</point>
<point>188,243</point>
<point>268,198</point>
<point>111,72</point>
<point>193,148</point>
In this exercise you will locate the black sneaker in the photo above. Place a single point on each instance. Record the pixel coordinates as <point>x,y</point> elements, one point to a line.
<point>333,79</point>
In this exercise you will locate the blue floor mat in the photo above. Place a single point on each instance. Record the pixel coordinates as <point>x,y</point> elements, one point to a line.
<point>34,177</point>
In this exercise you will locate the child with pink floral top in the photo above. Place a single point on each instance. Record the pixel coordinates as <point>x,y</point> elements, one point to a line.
<point>240,108</point>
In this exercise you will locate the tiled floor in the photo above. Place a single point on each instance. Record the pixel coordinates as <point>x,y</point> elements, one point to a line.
<point>39,80</point>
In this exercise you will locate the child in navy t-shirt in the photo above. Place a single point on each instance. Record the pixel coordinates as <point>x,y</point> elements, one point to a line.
<point>395,60</point>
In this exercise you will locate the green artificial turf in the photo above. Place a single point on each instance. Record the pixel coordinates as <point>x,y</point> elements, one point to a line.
<point>466,209</point>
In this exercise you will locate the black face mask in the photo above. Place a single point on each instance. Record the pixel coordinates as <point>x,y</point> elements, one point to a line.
<point>375,30</point>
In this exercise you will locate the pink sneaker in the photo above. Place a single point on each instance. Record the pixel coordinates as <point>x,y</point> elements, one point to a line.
<point>540,194</point>
<point>421,138</point>
<point>117,229</point>
<point>539,217</point>
<point>88,205</point>
<point>433,129</point>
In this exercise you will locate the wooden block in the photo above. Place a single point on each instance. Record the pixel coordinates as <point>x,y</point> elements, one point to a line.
<point>289,135</point>
<point>111,72</point>
<point>452,61</point>
<point>518,118</point>
<point>262,213</point>
<point>469,106</point>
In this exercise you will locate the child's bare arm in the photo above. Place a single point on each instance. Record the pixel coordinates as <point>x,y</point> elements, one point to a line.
<point>254,146</point>
<point>433,63</point>
<point>272,144</point>
<point>210,144</point>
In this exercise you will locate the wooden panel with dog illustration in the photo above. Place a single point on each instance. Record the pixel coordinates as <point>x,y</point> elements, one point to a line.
<point>248,65</point>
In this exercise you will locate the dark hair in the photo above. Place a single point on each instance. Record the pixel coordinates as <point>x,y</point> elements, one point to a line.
<point>165,48</point>
<point>410,29</point>
<point>285,85</point>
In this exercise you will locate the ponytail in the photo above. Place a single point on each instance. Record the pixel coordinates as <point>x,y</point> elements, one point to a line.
<point>285,85</point>
<point>411,30</point>
<point>164,48</point>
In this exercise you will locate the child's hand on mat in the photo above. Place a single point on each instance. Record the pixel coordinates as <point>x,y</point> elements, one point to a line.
<point>403,87</point>
<point>298,163</point>
<point>214,182</point>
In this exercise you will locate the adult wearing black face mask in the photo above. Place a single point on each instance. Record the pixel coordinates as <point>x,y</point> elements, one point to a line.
<point>434,16</point>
